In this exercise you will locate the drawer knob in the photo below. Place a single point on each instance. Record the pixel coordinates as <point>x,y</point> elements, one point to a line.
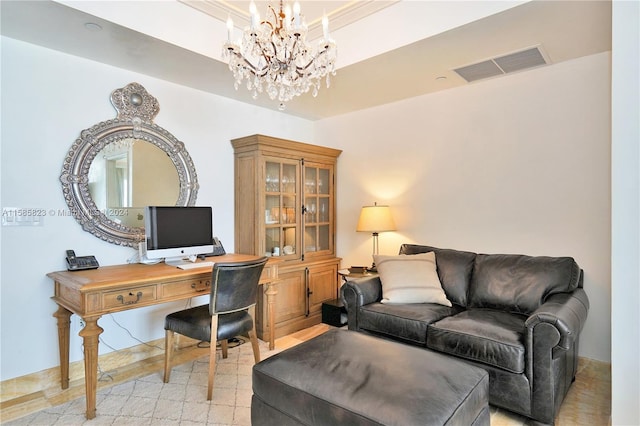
<point>200,286</point>
<point>130,300</point>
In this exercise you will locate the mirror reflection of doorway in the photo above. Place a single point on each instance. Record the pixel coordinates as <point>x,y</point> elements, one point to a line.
<point>128,175</point>
<point>117,180</point>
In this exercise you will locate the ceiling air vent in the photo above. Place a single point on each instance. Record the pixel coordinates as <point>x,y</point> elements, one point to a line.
<point>524,59</point>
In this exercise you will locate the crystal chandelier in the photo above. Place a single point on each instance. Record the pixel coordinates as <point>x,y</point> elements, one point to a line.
<point>273,55</point>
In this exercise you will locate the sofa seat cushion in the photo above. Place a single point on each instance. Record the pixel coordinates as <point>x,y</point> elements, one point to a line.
<point>485,336</point>
<point>405,322</point>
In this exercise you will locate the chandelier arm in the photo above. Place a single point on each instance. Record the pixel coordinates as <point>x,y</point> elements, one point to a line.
<point>315,58</point>
<point>305,67</point>
<point>248,64</point>
<point>275,16</point>
<point>309,64</point>
<point>293,48</point>
<point>263,51</point>
<point>268,58</point>
<point>269,24</point>
<point>260,72</point>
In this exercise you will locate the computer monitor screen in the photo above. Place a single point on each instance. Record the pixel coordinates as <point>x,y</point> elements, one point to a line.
<point>175,233</point>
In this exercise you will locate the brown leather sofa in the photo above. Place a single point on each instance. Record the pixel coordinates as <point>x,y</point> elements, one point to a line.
<point>518,317</point>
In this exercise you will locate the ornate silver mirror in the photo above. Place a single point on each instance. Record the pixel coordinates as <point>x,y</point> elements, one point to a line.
<point>117,167</point>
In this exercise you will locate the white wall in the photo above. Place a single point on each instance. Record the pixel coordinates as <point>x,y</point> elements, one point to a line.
<point>517,164</point>
<point>625,212</point>
<point>47,99</point>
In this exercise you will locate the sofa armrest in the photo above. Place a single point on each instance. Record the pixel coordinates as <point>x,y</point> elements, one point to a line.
<point>552,340</point>
<point>357,293</point>
<point>567,312</point>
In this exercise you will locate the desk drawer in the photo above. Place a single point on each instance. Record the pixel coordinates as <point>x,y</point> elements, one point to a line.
<point>131,296</point>
<point>196,287</point>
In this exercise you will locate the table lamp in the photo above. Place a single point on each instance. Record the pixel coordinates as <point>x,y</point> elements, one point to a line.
<point>375,219</point>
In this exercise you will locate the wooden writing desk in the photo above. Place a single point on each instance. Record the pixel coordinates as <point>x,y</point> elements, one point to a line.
<point>93,293</point>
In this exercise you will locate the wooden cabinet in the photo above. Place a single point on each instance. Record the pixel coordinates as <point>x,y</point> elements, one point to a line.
<point>285,206</point>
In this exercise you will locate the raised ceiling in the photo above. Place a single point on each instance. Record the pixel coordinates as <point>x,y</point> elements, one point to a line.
<point>388,50</point>
<point>340,13</point>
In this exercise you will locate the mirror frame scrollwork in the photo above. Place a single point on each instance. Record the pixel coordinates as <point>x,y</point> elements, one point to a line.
<point>136,109</point>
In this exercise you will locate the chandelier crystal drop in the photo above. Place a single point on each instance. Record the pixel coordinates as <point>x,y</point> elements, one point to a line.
<point>273,55</point>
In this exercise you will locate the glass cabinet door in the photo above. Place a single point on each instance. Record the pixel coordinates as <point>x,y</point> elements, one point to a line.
<point>318,234</point>
<point>281,212</point>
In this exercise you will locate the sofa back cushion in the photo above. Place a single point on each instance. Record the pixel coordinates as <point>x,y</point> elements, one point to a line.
<point>518,283</point>
<point>454,269</point>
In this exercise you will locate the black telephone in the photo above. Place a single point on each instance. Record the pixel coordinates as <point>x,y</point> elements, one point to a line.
<point>79,263</point>
<point>218,250</point>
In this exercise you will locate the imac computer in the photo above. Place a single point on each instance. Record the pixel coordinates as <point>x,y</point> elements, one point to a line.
<point>175,233</point>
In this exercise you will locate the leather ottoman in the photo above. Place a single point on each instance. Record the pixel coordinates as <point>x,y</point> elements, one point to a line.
<point>348,378</point>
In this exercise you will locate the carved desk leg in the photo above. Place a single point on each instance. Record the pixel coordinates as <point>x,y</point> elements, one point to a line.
<point>63,315</point>
<point>271,292</point>
<point>90,334</point>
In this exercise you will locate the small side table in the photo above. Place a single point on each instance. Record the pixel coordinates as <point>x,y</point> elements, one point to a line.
<point>334,313</point>
<point>348,276</point>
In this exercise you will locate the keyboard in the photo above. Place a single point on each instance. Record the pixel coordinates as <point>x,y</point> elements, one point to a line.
<point>196,265</point>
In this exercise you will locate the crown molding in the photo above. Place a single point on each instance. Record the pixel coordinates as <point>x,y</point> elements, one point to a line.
<point>347,13</point>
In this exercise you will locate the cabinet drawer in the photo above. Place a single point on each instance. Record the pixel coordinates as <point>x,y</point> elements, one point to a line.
<point>129,296</point>
<point>178,288</point>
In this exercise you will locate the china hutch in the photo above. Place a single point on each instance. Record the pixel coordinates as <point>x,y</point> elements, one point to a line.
<point>285,207</point>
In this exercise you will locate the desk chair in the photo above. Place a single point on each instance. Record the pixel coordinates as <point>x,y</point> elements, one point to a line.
<point>234,289</point>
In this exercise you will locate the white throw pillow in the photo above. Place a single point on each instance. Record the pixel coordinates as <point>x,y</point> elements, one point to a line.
<point>410,278</point>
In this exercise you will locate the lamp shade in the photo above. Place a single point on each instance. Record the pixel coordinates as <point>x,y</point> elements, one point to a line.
<point>375,219</point>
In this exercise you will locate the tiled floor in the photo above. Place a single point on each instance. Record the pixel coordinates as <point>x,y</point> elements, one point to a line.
<point>148,401</point>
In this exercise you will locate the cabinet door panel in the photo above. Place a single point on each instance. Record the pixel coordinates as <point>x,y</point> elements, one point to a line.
<point>323,286</point>
<point>282,211</point>
<point>318,201</point>
<point>290,301</point>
